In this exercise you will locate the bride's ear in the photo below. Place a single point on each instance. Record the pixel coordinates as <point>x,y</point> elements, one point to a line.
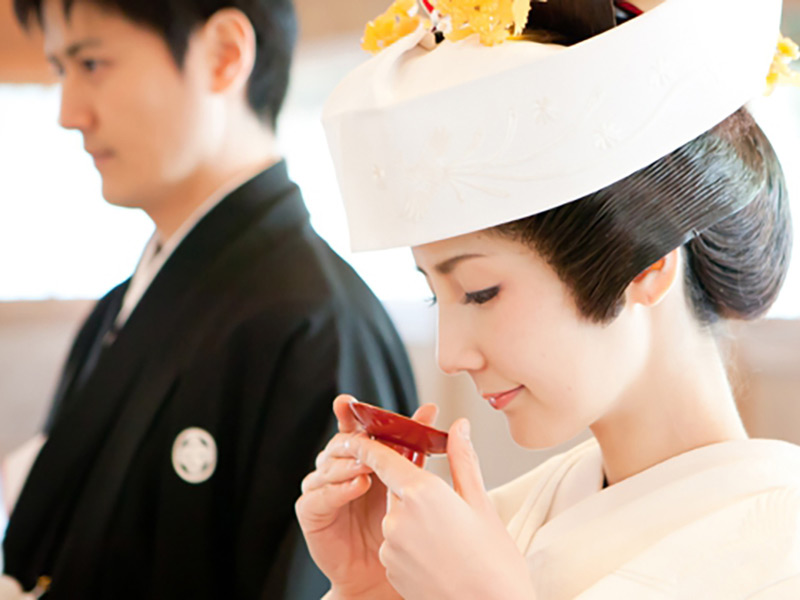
<point>653,284</point>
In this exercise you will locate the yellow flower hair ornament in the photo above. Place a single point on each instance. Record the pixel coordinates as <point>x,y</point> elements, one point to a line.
<point>780,73</point>
<point>401,19</point>
<point>493,21</point>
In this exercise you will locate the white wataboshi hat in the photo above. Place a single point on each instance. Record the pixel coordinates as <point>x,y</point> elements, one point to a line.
<point>430,143</point>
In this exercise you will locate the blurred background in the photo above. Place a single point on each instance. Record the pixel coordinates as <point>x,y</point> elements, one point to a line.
<point>62,246</point>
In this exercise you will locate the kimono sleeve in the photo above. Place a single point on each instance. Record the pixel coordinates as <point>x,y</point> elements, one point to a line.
<point>288,422</point>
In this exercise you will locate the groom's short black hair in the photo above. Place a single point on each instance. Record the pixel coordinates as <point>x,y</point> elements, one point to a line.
<point>274,22</point>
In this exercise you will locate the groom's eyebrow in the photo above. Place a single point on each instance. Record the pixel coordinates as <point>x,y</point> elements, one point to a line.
<point>75,48</point>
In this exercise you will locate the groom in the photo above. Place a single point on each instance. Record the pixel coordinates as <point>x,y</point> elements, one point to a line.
<point>197,393</point>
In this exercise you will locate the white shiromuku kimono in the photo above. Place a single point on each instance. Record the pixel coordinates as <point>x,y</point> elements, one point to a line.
<point>718,523</point>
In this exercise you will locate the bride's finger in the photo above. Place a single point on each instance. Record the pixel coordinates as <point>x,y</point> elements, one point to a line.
<point>336,448</point>
<point>340,446</point>
<point>396,473</point>
<point>317,508</point>
<point>334,471</point>
<point>341,408</point>
<point>426,414</point>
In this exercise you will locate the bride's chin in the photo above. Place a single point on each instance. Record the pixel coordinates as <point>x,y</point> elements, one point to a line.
<point>539,437</point>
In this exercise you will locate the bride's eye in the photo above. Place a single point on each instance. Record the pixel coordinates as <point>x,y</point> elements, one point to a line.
<point>481,296</point>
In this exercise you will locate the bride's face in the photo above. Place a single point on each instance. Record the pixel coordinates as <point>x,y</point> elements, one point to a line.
<point>506,319</point>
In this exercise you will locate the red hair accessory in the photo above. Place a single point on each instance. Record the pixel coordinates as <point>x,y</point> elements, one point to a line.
<point>626,6</point>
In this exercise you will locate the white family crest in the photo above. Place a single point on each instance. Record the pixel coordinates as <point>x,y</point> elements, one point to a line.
<point>194,455</point>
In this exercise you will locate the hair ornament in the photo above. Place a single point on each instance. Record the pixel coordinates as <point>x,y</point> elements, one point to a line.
<point>493,21</point>
<point>400,19</point>
<point>780,73</point>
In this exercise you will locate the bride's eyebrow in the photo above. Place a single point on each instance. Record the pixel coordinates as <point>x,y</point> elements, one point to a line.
<point>446,267</point>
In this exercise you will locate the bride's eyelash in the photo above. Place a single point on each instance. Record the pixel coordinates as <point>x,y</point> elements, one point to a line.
<point>481,296</point>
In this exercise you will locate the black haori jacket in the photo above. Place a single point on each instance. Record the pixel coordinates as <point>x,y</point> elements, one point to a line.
<point>247,333</point>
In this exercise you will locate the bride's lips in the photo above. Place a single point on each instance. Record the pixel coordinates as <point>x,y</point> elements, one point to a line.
<point>500,400</point>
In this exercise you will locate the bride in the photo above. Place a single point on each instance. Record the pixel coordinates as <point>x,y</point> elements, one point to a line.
<point>589,204</point>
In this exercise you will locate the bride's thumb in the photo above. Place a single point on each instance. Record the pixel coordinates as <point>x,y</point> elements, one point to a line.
<point>464,466</point>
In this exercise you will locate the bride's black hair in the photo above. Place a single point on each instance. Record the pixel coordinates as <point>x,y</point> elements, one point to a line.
<point>721,197</point>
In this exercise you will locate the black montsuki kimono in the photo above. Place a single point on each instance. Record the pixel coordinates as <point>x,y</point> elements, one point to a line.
<point>249,330</point>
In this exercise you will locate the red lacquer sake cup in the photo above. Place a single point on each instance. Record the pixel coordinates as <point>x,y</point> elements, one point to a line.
<point>413,440</point>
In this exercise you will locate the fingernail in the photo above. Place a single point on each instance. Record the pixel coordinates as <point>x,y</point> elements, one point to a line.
<point>465,430</point>
<point>347,444</point>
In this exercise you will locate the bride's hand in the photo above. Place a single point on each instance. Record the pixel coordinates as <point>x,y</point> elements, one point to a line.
<point>341,511</point>
<point>440,543</point>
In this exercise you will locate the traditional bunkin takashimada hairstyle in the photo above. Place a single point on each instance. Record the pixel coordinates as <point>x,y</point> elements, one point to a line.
<point>274,23</point>
<point>464,120</point>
